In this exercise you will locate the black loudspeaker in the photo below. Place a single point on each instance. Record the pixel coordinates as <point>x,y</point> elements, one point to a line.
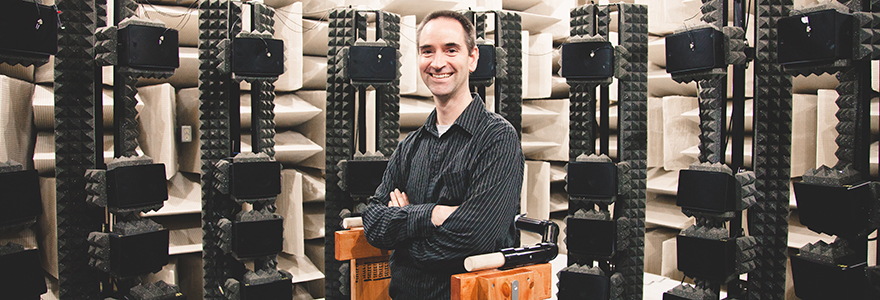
<point>255,180</point>
<point>281,289</point>
<point>592,179</point>
<point>582,286</point>
<point>707,191</point>
<point>21,275</point>
<point>695,50</point>
<point>712,259</point>
<point>835,210</point>
<point>591,238</point>
<point>136,186</point>
<point>485,65</point>
<point>814,280</point>
<point>28,28</point>
<point>587,60</point>
<point>362,177</point>
<point>257,238</point>
<point>21,196</point>
<point>139,253</point>
<point>818,36</point>
<point>148,47</point>
<point>372,63</point>
<point>257,57</point>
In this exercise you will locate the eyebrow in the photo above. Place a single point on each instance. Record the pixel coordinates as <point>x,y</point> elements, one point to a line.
<point>447,45</point>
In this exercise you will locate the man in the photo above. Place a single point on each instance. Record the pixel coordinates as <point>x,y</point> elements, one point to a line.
<point>452,187</point>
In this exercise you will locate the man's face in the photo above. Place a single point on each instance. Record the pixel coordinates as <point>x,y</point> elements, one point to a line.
<point>444,61</point>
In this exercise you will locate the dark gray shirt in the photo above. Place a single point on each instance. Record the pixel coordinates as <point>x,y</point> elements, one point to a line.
<point>476,165</point>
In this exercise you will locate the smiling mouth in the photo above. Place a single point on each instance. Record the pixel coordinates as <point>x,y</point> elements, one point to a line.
<point>441,76</point>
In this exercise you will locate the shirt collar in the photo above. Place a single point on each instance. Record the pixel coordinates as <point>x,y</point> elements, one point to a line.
<point>468,120</point>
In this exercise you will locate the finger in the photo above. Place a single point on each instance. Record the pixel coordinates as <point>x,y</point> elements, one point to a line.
<point>404,199</point>
<point>393,202</point>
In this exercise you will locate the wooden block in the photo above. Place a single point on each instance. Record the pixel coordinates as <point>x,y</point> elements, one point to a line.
<point>540,55</point>
<point>290,207</point>
<point>803,133</point>
<point>679,133</point>
<point>545,129</point>
<point>184,19</point>
<point>314,72</point>
<point>409,60</point>
<point>184,196</point>
<point>315,37</point>
<point>534,283</point>
<point>370,278</point>
<point>315,129</point>
<point>156,135</point>
<point>17,115</point>
<point>352,244</point>
<point>18,71</point>
<point>290,110</point>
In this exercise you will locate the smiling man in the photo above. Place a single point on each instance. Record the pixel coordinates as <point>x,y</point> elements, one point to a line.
<point>452,187</point>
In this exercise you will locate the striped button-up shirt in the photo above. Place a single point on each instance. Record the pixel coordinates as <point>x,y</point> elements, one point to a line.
<point>476,165</point>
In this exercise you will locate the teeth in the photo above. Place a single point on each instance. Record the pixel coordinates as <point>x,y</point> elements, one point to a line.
<point>441,75</point>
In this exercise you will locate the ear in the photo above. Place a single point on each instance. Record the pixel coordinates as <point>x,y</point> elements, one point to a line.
<point>474,58</point>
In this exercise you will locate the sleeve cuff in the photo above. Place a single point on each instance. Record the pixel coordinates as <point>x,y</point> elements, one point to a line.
<point>419,220</point>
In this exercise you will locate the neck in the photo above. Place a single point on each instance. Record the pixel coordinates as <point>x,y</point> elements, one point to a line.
<point>449,109</point>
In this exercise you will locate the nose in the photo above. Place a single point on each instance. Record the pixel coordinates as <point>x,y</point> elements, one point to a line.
<point>438,62</point>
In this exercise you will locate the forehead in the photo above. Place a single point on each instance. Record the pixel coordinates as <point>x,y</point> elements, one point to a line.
<point>441,31</point>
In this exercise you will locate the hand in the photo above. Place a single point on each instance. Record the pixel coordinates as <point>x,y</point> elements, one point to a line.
<point>441,213</point>
<point>398,199</point>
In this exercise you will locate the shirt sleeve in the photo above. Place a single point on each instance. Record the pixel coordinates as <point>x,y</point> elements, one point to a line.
<point>389,227</point>
<point>482,223</point>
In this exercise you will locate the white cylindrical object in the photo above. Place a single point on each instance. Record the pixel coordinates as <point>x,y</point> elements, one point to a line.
<point>349,223</point>
<point>484,261</point>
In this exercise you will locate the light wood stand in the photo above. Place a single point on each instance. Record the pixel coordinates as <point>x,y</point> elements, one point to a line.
<point>531,282</point>
<point>370,272</point>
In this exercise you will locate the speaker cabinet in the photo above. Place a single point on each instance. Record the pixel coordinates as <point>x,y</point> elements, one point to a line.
<point>706,258</point>
<point>257,238</point>
<point>592,179</point>
<point>372,63</point>
<point>362,177</point>
<point>814,280</point>
<point>281,289</point>
<point>695,50</point>
<point>591,238</point>
<point>587,60</point>
<point>257,57</point>
<point>707,191</point>
<point>30,28</point>
<point>148,47</point>
<point>21,196</point>
<point>255,180</point>
<point>582,286</point>
<point>835,210</point>
<point>485,65</point>
<point>818,36</point>
<point>136,186</point>
<point>21,275</point>
<point>139,253</point>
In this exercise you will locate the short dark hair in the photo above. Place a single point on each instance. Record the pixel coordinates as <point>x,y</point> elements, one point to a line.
<point>470,37</point>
